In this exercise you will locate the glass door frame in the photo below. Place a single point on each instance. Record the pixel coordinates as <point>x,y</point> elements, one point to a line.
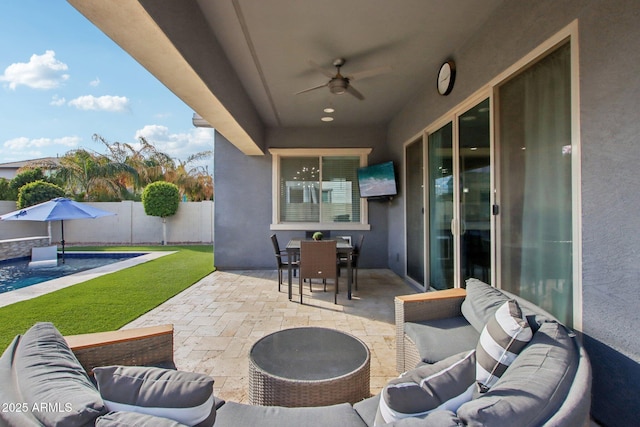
<point>453,117</point>
<point>420,138</point>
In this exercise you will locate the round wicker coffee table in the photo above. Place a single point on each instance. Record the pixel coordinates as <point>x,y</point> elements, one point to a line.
<point>308,367</point>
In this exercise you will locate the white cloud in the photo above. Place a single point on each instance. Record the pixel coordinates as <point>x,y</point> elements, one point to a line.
<point>56,101</point>
<point>24,143</point>
<point>95,82</point>
<point>41,72</point>
<point>101,103</point>
<point>177,145</point>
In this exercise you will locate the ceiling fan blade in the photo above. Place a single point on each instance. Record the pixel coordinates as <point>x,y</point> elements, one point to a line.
<point>312,88</point>
<point>370,73</point>
<point>329,73</point>
<point>355,93</point>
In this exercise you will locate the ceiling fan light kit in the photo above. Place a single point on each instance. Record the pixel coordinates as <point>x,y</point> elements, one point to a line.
<point>339,84</point>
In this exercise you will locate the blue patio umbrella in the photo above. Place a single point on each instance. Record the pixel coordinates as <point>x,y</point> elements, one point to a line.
<point>58,209</point>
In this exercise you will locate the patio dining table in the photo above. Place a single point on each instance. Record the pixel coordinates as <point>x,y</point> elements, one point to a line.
<point>344,249</point>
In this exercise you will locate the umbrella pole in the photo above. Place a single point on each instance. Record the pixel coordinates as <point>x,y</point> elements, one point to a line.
<point>62,241</point>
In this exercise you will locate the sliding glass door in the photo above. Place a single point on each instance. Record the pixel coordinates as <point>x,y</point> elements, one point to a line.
<point>414,160</point>
<point>459,214</point>
<point>535,185</point>
<point>474,160</point>
<point>441,201</point>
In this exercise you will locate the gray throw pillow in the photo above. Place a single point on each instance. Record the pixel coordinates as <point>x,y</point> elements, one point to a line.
<point>445,385</point>
<point>501,340</point>
<point>185,397</point>
<point>481,302</point>
<point>53,384</point>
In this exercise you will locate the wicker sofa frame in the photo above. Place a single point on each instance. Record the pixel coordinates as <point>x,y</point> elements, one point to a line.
<point>419,307</point>
<point>148,346</point>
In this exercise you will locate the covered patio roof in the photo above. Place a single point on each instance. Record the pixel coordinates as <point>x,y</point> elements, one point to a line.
<point>239,63</point>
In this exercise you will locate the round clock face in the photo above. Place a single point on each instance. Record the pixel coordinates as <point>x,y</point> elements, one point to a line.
<point>446,78</point>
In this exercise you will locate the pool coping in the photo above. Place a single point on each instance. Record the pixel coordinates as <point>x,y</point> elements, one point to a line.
<point>33,291</point>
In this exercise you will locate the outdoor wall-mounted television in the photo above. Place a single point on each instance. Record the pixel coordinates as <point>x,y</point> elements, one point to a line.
<point>377,181</point>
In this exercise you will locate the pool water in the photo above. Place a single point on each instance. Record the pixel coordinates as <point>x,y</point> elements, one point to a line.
<point>15,274</point>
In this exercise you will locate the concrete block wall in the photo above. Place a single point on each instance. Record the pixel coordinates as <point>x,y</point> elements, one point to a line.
<point>193,223</point>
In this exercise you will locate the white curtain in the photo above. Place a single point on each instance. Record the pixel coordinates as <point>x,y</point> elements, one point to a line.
<point>539,142</point>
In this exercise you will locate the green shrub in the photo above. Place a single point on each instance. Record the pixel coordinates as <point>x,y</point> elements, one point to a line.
<point>6,192</point>
<point>26,177</point>
<point>38,192</point>
<point>161,199</point>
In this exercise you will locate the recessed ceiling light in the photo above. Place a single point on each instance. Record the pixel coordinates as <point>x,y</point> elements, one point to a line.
<point>327,119</point>
<point>467,118</point>
<point>329,110</point>
<point>483,109</point>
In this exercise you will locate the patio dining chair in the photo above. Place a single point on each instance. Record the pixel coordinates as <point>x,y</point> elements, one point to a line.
<point>318,261</point>
<point>282,260</point>
<point>355,258</point>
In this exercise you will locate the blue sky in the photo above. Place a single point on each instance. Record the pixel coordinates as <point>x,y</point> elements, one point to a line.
<point>62,81</point>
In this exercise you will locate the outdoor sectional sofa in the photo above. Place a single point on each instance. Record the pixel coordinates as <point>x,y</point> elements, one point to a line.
<point>548,383</point>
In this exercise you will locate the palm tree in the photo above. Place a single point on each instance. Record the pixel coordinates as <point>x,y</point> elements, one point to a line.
<point>194,182</point>
<point>91,174</point>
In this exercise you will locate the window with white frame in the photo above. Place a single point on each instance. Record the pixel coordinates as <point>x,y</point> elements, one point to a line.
<point>315,189</point>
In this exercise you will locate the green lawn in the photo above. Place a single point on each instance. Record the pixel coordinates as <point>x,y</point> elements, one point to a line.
<point>113,300</point>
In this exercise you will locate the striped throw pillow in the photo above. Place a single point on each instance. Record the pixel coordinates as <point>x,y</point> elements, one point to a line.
<point>501,340</point>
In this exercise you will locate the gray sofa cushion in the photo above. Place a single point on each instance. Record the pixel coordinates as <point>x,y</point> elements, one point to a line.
<point>438,339</point>
<point>233,414</point>
<point>533,387</point>
<point>367,409</point>
<point>186,397</point>
<point>481,302</point>
<point>128,419</point>
<point>48,373</point>
<point>444,385</point>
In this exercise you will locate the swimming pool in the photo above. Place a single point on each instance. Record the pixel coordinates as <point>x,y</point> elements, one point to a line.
<point>15,274</point>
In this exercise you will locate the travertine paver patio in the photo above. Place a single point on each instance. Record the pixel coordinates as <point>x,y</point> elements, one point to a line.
<point>218,319</point>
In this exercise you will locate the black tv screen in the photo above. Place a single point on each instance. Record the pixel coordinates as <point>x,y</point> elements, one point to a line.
<point>377,180</point>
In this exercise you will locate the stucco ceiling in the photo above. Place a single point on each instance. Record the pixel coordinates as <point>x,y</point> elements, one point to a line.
<point>270,43</point>
<point>239,63</point>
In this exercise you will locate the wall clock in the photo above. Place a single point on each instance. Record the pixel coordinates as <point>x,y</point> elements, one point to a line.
<point>446,77</point>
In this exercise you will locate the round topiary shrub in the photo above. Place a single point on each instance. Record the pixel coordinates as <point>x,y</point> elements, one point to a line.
<point>161,199</point>
<point>38,192</point>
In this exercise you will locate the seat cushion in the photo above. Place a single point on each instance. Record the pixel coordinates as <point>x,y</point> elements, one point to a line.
<point>128,419</point>
<point>233,414</point>
<point>533,387</point>
<point>51,380</point>
<point>438,339</point>
<point>185,397</point>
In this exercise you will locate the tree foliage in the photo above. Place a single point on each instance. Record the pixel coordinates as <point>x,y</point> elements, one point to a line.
<point>38,192</point>
<point>161,199</point>
<point>6,192</point>
<point>27,176</point>
<point>121,173</point>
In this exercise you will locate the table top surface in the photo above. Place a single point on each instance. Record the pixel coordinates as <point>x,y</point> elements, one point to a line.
<point>340,244</point>
<point>309,354</point>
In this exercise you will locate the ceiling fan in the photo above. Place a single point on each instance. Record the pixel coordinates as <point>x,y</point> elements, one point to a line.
<point>339,84</point>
